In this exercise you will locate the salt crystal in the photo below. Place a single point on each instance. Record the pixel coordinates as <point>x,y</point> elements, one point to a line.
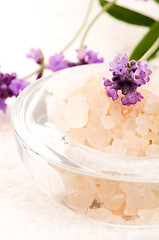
<point>107,122</point>
<point>77,111</point>
<point>93,119</point>
<point>100,213</point>
<point>79,134</point>
<point>145,215</point>
<point>99,137</point>
<point>57,112</point>
<point>155,186</point>
<point>155,218</point>
<point>118,147</point>
<point>100,101</point>
<point>129,125</point>
<point>156,124</point>
<point>151,105</point>
<point>111,196</point>
<point>152,150</point>
<point>142,125</point>
<point>117,133</point>
<point>115,112</point>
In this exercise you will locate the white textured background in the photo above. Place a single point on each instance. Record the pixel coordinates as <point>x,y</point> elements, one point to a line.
<point>25,211</point>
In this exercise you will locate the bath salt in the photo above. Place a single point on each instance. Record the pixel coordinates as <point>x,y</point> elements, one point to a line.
<point>77,111</point>
<point>90,117</point>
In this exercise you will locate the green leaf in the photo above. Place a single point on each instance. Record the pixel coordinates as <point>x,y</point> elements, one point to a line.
<point>157,1</point>
<point>127,15</point>
<point>153,55</point>
<point>146,43</point>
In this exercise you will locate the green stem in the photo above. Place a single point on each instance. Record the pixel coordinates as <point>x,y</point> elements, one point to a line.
<point>82,26</point>
<point>105,8</point>
<point>41,69</point>
<point>152,50</point>
<point>31,74</point>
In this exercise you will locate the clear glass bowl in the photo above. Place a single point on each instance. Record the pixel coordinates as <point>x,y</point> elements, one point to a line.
<point>108,188</point>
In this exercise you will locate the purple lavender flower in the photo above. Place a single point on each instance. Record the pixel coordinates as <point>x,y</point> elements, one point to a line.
<point>127,77</point>
<point>118,65</point>
<point>87,57</point>
<point>3,105</point>
<point>10,86</point>
<point>17,85</point>
<point>131,98</point>
<point>142,73</point>
<point>57,62</point>
<point>36,55</point>
<point>111,91</point>
<point>81,53</point>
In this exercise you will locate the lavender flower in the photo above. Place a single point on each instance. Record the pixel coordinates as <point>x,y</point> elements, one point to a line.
<point>36,55</point>
<point>17,85</point>
<point>127,77</point>
<point>87,57</point>
<point>3,105</point>
<point>10,86</point>
<point>57,62</point>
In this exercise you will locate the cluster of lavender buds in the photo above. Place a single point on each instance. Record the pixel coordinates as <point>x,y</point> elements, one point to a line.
<point>58,61</point>
<point>10,86</point>
<point>127,77</point>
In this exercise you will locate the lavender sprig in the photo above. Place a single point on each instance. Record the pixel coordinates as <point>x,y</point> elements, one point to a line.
<point>10,85</point>
<point>38,57</point>
<point>127,77</point>
<point>58,61</point>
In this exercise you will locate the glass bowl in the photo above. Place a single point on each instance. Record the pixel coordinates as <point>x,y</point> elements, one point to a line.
<point>105,187</point>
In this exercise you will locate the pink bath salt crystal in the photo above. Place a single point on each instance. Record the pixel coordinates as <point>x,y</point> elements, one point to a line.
<point>152,150</point>
<point>156,124</point>
<point>80,192</point>
<point>132,152</point>
<point>138,196</point>
<point>101,214</point>
<point>57,112</point>
<point>129,125</point>
<point>145,214</point>
<point>94,118</point>
<point>61,116</point>
<point>107,122</point>
<point>118,197</point>
<point>117,220</point>
<point>155,186</point>
<point>111,196</point>
<point>134,113</point>
<point>94,83</point>
<point>115,112</point>
<point>155,218</point>
<point>134,143</point>
<point>144,190</point>
<point>142,125</point>
<point>117,133</point>
<point>90,88</point>
<point>100,101</point>
<point>99,137</point>
<point>80,200</point>
<point>154,138</point>
<point>133,200</point>
<point>133,204</point>
<point>79,134</point>
<point>77,111</point>
<point>108,149</point>
<point>118,147</point>
<point>151,105</point>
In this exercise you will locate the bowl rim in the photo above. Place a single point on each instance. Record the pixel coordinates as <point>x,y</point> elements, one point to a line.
<point>123,168</point>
